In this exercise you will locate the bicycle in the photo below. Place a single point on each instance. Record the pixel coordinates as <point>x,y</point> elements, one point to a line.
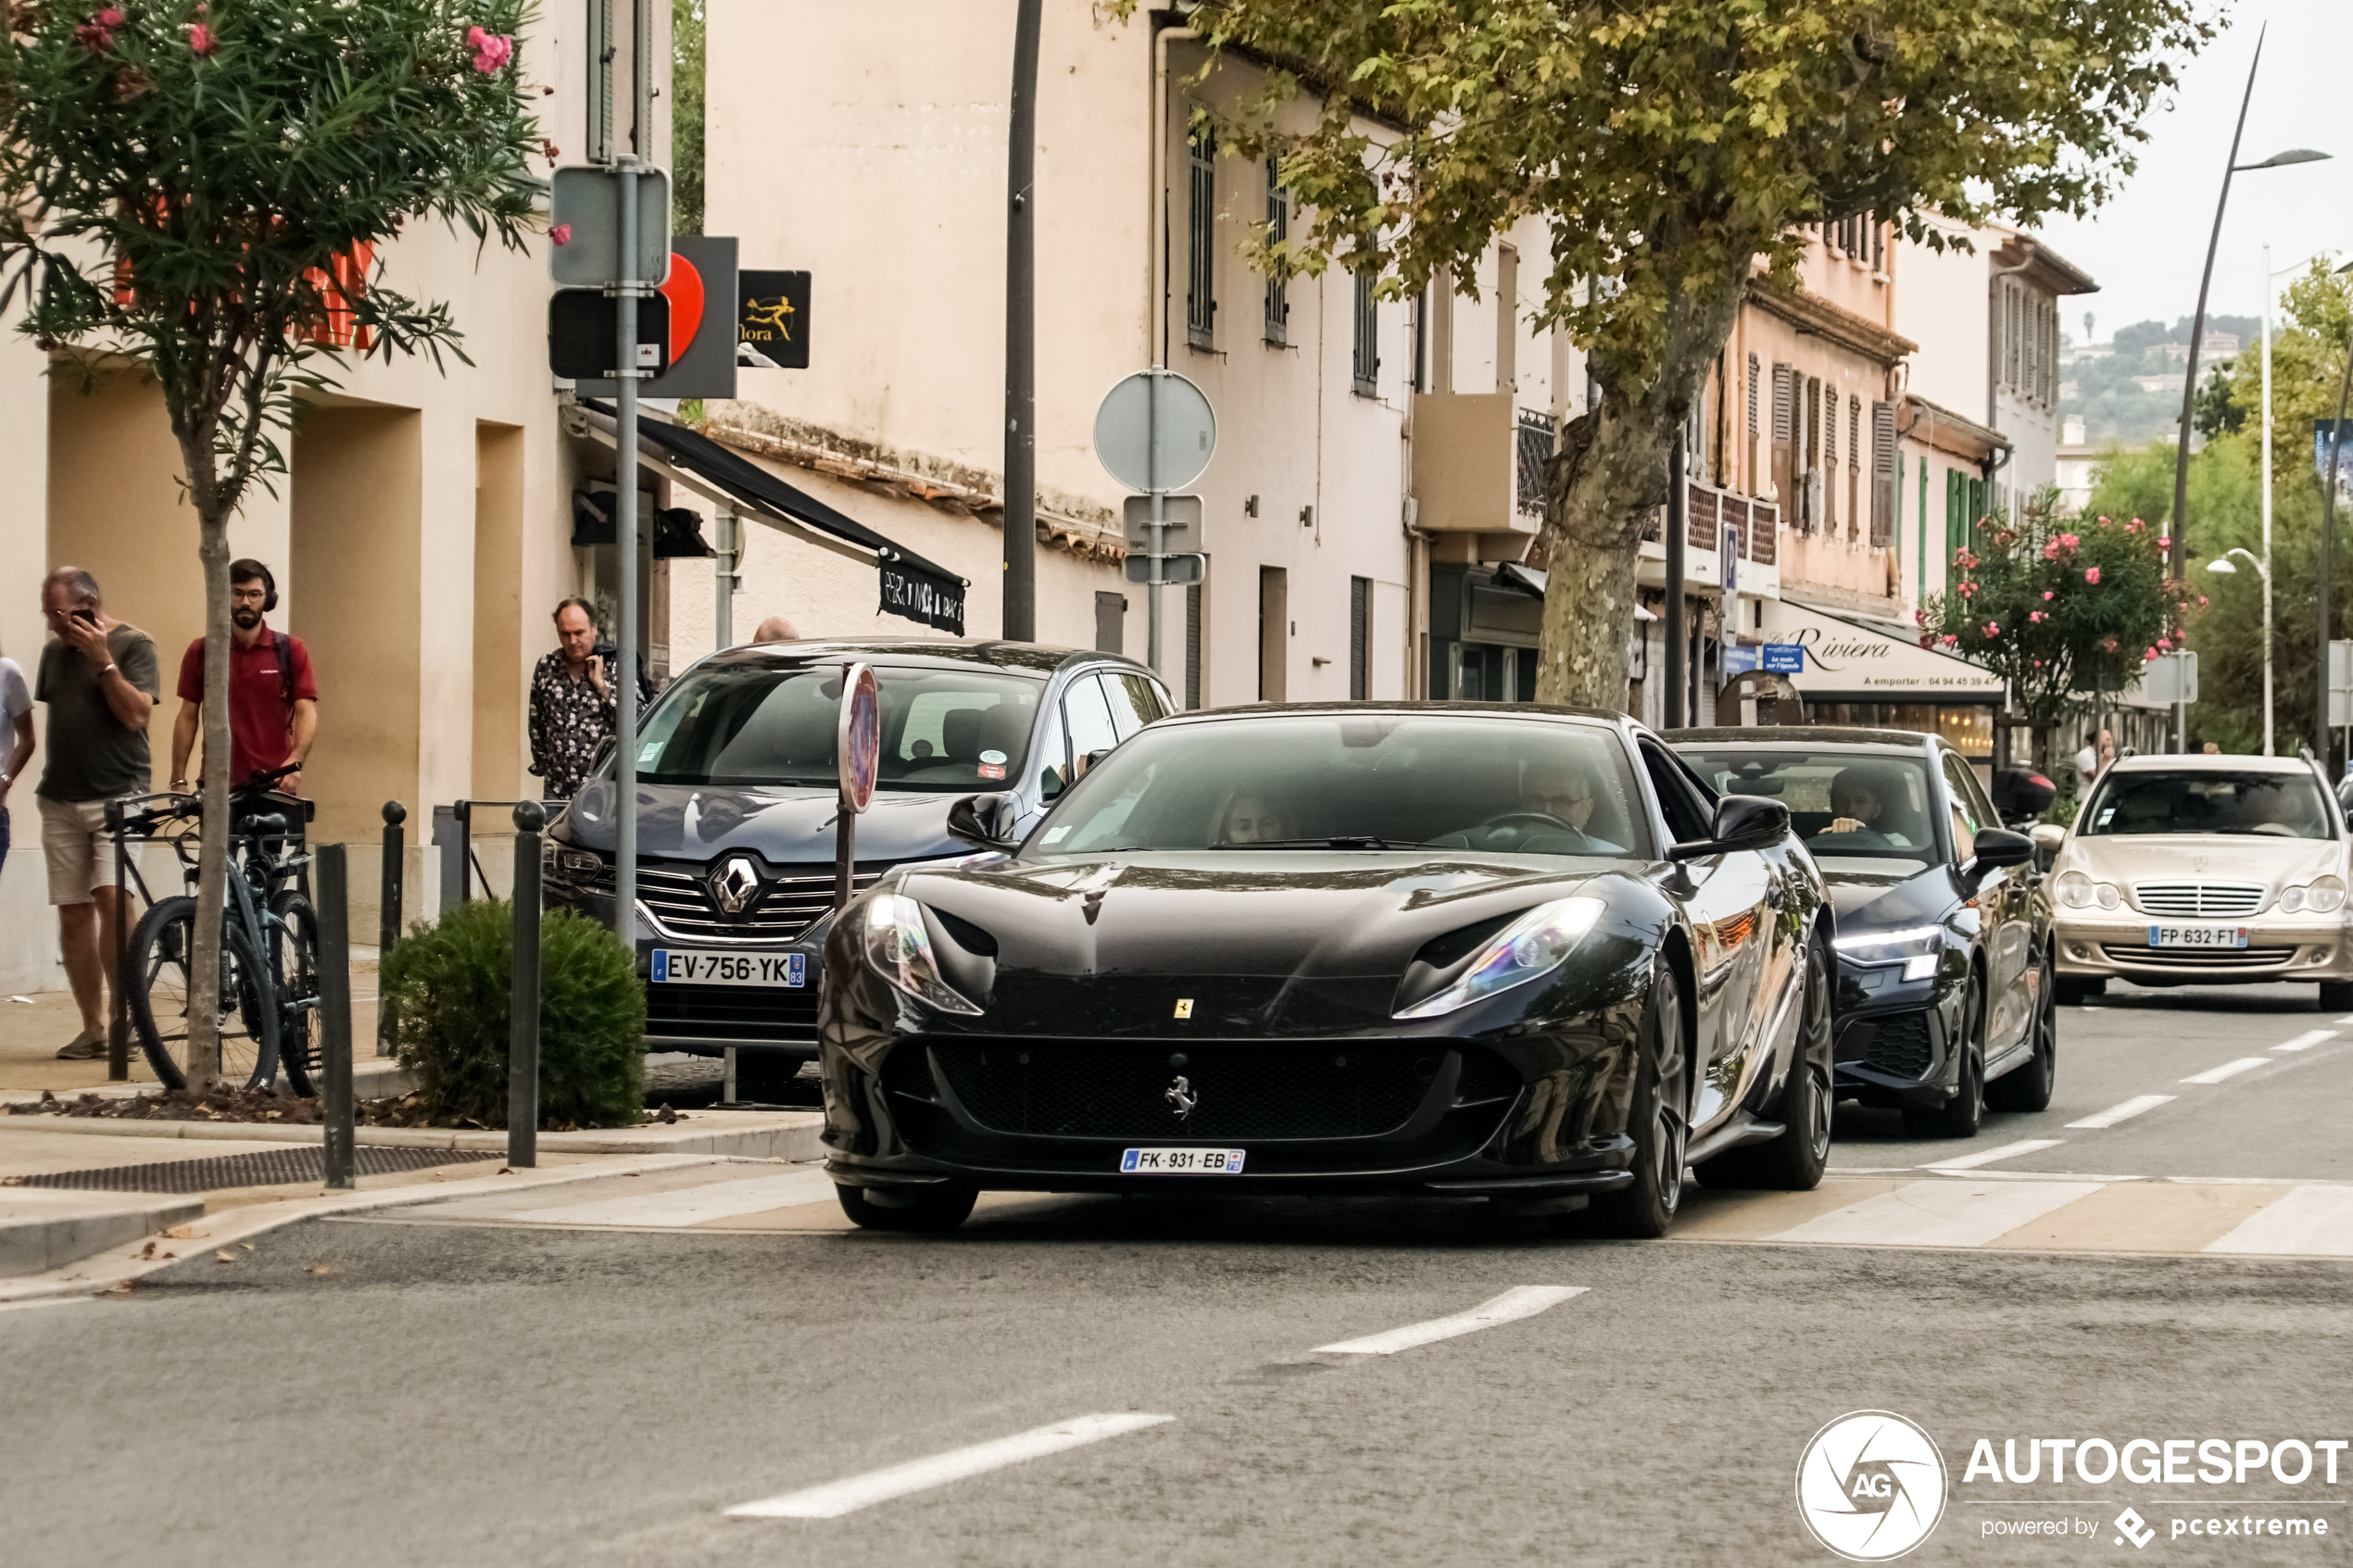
<point>269,983</point>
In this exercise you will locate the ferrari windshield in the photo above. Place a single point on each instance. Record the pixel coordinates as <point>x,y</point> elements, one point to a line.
<point>1370,781</point>
<point>2166,802</point>
<point>762,724</point>
<point>1842,803</point>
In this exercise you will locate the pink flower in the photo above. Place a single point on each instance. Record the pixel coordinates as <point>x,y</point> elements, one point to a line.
<point>2037,618</point>
<point>200,40</point>
<point>2046,595</point>
<point>1992,629</point>
<point>2149,656</point>
<point>1950,639</point>
<point>109,18</point>
<point>560,233</point>
<point>2201,599</point>
<point>2092,575</point>
<point>94,38</point>
<point>1919,617</point>
<point>1967,589</point>
<point>2038,664</point>
<point>2165,643</point>
<point>492,50</point>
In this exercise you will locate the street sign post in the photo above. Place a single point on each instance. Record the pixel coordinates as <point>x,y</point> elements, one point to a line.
<point>583,325</point>
<point>857,761</point>
<point>697,296</point>
<point>609,232</point>
<point>1156,433</point>
<point>1180,515</point>
<point>2170,679</point>
<point>1176,570</point>
<point>2340,683</point>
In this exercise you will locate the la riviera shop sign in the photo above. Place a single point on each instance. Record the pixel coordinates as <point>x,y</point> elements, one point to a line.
<point>1843,656</point>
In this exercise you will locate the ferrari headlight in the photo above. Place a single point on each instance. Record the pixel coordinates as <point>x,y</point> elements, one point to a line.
<point>2322,897</point>
<point>1529,949</point>
<point>1918,946</point>
<point>898,948</point>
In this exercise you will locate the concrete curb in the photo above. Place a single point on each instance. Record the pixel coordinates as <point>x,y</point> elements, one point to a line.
<point>115,1270</point>
<point>373,1079</point>
<point>786,1134</point>
<point>43,1230</point>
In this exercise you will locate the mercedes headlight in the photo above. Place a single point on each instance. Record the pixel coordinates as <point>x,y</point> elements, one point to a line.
<point>2322,897</point>
<point>898,948</point>
<point>1529,949</point>
<point>1918,947</point>
<point>2079,892</point>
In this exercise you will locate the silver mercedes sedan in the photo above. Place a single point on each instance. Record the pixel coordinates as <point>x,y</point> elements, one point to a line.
<point>2205,871</point>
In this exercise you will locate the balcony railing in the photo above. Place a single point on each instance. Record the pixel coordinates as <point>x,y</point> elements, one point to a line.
<point>1713,510</point>
<point>1535,446</point>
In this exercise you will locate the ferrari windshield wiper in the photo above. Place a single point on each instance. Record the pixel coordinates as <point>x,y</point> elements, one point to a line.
<point>1345,841</point>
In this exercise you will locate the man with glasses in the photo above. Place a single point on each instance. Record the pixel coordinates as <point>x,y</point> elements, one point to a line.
<point>273,696</point>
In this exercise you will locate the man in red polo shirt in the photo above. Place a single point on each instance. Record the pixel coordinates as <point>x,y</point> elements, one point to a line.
<point>273,699</point>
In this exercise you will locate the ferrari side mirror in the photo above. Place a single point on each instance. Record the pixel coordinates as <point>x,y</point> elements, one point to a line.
<point>991,821</point>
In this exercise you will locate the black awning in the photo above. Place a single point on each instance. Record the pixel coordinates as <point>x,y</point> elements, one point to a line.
<point>912,587</point>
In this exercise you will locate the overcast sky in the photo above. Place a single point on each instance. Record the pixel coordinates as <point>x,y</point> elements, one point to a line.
<point>2146,248</point>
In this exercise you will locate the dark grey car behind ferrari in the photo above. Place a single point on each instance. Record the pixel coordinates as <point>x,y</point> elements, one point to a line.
<point>736,783</point>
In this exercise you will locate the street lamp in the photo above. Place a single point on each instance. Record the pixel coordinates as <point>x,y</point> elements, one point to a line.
<point>2328,559</point>
<point>2221,565</point>
<point>2178,556</point>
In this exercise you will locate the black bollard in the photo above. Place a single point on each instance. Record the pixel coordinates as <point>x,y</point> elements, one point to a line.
<point>388,918</point>
<point>335,1016</point>
<point>523,1038</point>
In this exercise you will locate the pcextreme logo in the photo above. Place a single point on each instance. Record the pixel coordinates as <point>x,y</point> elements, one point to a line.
<point>1870,1485</point>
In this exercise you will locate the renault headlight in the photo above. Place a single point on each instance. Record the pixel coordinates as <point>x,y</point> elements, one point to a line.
<point>1529,949</point>
<point>561,862</point>
<point>2322,896</point>
<point>1916,946</point>
<point>898,948</point>
<point>2079,892</point>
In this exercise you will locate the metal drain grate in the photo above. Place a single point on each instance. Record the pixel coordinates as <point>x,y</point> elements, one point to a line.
<point>276,1166</point>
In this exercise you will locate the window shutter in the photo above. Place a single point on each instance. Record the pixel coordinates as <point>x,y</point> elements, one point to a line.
<point>1360,620</point>
<point>1883,475</point>
<point>1785,450</point>
<point>1367,337</point>
<point>600,55</point>
<point>1200,253</point>
<point>1278,230</point>
<point>1749,445</point>
<point>1829,459</point>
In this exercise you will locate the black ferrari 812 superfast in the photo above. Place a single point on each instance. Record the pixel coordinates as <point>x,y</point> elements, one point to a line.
<point>1515,953</point>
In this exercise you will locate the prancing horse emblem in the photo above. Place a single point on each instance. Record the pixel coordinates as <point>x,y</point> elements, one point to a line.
<point>735,884</point>
<point>1181,1098</point>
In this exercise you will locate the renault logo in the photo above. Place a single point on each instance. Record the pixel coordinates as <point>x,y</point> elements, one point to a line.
<point>1181,1098</point>
<point>734,885</point>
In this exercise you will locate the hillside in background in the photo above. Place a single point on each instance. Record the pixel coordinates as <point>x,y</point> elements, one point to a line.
<point>2129,389</point>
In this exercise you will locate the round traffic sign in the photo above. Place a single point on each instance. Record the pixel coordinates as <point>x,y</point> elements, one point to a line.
<point>858,741</point>
<point>1155,431</point>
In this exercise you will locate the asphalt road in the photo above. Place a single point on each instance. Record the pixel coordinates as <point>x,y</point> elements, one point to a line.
<point>362,1392</point>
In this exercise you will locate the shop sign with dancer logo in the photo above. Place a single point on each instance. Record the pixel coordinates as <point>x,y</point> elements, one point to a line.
<point>858,754</point>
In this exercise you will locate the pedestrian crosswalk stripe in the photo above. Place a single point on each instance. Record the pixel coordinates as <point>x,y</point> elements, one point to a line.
<point>2309,1221</point>
<point>1940,1213</point>
<point>2228,1069</point>
<point>693,1205</point>
<point>2306,1040</point>
<point>2130,1108</point>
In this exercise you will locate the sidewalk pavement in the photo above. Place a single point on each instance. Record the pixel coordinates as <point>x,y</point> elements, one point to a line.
<point>34,1025</point>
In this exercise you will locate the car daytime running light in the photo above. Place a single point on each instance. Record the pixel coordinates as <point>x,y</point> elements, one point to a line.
<point>1918,946</point>
<point>1530,948</point>
<point>898,948</point>
<point>2322,896</point>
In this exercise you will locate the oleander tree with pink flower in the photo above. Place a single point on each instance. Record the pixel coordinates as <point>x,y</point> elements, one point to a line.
<point>2059,608</point>
<point>197,190</point>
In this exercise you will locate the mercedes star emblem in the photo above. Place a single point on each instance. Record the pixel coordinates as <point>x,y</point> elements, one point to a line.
<point>1181,1098</point>
<point>734,885</point>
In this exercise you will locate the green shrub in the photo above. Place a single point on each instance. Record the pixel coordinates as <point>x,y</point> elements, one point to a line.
<point>453,985</point>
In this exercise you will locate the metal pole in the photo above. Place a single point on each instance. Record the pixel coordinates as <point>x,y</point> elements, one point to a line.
<point>625,680</point>
<point>463,813</point>
<point>1678,525</point>
<point>522,1027</point>
<point>845,851</point>
<point>1020,337</point>
<point>2328,565</point>
<point>723,576</point>
<point>334,1018</point>
<point>1159,521</point>
<point>388,921</point>
<point>2177,561</point>
<point>2267,502</point>
<point>118,1006</point>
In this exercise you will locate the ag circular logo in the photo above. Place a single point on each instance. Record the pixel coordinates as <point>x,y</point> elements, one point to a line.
<point>1870,1485</point>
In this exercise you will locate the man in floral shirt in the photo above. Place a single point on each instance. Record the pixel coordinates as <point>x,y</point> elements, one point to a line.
<point>571,703</point>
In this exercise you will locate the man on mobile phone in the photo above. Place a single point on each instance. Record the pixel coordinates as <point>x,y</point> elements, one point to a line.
<point>273,696</point>
<point>99,678</point>
<point>572,702</point>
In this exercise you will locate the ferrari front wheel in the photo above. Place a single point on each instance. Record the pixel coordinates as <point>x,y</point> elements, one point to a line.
<point>918,1208</point>
<point>1658,1120</point>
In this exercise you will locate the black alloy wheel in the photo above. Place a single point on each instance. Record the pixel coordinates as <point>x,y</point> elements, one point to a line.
<point>1795,1160</point>
<point>1960,1116</point>
<point>920,1208</point>
<point>1658,1120</point>
<point>2029,1087</point>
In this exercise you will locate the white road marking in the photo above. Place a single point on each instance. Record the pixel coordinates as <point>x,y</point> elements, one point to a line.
<point>1940,1213</point>
<point>2346,1019</point>
<point>688,1206</point>
<point>2129,1108</point>
<point>836,1497</point>
<point>2315,1221</point>
<point>2228,1069</point>
<point>44,1301</point>
<point>1987,1156</point>
<point>1520,1301</point>
<point>2306,1040</point>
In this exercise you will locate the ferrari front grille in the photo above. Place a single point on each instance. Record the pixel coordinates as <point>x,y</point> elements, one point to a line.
<point>2199,901</point>
<point>1178,1090</point>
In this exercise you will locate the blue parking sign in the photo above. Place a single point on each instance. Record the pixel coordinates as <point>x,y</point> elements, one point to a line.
<point>1784,658</point>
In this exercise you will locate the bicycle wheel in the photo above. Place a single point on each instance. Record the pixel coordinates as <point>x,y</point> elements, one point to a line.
<point>294,938</point>
<point>156,988</point>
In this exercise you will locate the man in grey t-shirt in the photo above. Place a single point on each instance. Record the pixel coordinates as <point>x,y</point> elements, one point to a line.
<point>99,679</point>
